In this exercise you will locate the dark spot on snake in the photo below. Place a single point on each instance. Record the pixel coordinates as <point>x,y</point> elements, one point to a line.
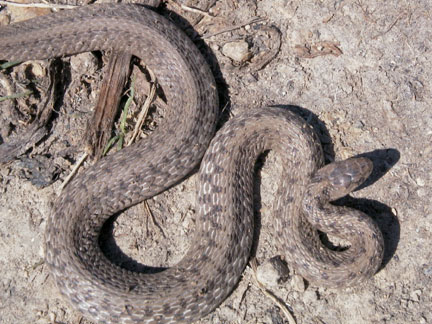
<point>289,199</point>
<point>216,209</point>
<point>206,199</point>
<point>230,257</point>
<point>131,288</point>
<point>324,275</point>
<point>217,169</point>
<point>56,251</point>
<point>217,226</point>
<point>166,308</point>
<point>183,303</point>
<point>216,189</point>
<point>204,258</point>
<point>291,181</point>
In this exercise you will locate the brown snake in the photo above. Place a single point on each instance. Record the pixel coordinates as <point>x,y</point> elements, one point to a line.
<point>220,249</point>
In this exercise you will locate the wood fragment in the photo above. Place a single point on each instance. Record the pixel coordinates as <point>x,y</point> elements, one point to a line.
<point>99,128</point>
<point>229,29</point>
<point>318,49</point>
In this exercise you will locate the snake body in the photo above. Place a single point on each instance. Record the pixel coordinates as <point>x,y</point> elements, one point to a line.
<point>220,249</point>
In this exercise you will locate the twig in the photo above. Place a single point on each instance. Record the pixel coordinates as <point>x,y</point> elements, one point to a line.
<point>191,9</point>
<point>74,170</point>
<point>196,10</point>
<point>391,26</point>
<point>269,294</point>
<point>226,30</point>
<point>142,115</point>
<point>36,5</point>
<point>150,215</point>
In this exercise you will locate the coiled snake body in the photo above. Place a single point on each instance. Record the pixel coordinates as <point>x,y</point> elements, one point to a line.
<point>220,249</point>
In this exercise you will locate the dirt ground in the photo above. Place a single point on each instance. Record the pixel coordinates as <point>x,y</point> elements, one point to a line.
<point>359,71</point>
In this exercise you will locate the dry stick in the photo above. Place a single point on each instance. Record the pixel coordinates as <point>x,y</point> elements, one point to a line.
<point>391,26</point>
<point>196,10</point>
<point>73,172</point>
<point>144,111</point>
<point>99,128</point>
<point>149,213</point>
<point>36,5</point>
<point>226,30</point>
<point>269,294</point>
<point>190,9</point>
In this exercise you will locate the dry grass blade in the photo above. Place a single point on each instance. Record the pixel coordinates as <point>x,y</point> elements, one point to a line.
<point>16,95</point>
<point>73,172</point>
<point>253,264</point>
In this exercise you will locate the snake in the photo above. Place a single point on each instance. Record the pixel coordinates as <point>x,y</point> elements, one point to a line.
<point>220,248</point>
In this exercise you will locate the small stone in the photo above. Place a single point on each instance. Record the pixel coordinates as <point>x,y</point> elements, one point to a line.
<point>84,62</point>
<point>52,317</point>
<point>422,192</point>
<point>298,284</point>
<point>415,295</point>
<point>237,51</point>
<point>310,297</point>
<point>38,70</point>
<point>420,182</point>
<point>272,272</point>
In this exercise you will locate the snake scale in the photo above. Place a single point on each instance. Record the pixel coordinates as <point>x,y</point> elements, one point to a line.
<point>220,249</point>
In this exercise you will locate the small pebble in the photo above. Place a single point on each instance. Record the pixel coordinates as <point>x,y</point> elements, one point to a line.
<point>84,62</point>
<point>310,297</point>
<point>272,272</point>
<point>38,70</point>
<point>415,295</point>
<point>237,51</point>
<point>298,284</point>
<point>420,182</point>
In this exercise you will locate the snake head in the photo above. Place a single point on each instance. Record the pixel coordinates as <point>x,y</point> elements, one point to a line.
<point>343,177</point>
